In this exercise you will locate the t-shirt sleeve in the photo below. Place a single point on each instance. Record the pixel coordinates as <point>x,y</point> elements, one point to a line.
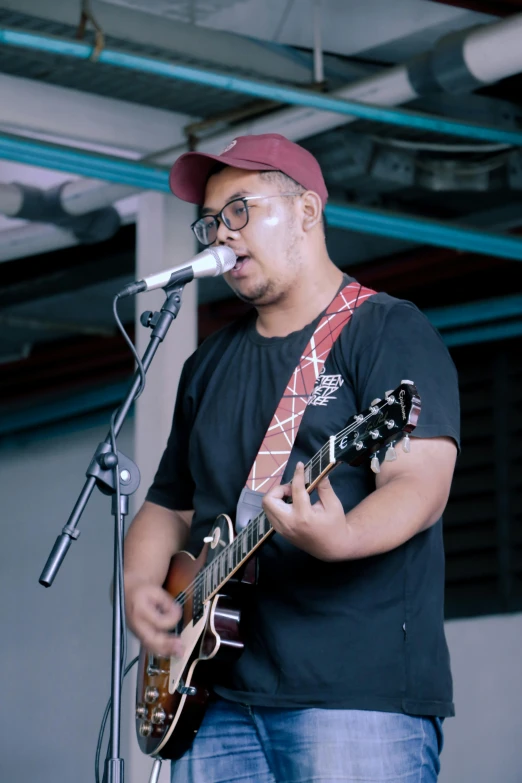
<point>405,346</point>
<point>173,486</point>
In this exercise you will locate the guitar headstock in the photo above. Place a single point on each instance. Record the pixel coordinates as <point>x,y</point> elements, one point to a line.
<point>383,423</point>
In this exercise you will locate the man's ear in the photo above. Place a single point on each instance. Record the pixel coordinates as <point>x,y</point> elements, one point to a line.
<point>312,208</point>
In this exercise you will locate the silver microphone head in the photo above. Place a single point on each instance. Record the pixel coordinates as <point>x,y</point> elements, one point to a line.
<point>225,259</point>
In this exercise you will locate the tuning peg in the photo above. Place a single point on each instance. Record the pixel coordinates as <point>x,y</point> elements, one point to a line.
<point>391,454</point>
<point>375,401</point>
<point>375,464</point>
<point>409,383</point>
<point>406,445</point>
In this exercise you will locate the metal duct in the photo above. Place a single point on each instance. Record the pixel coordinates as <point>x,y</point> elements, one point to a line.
<point>45,206</point>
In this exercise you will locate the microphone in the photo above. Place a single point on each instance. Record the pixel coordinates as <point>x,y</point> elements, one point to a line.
<point>212,262</point>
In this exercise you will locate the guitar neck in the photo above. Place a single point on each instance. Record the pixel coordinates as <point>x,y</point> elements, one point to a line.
<point>235,555</point>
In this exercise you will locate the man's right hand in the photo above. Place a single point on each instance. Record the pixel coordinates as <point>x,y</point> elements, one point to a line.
<point>152,615</point>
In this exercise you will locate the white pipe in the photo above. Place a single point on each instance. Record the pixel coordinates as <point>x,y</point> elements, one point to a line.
<point>494,51</point>
<point>11,198</point>
<point>85,195</point>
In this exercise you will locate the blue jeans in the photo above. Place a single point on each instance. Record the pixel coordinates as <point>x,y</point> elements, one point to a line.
<point>241,744</point>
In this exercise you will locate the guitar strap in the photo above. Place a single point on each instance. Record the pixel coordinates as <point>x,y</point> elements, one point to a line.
<point>274,452</point>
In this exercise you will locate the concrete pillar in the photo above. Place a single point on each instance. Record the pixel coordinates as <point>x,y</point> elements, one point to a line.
<point>164,240</point>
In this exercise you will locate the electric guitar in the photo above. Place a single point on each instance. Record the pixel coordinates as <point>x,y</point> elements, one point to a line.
<point>172,693</point>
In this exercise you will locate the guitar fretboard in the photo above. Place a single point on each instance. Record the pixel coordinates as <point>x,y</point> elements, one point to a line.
<point>235,554</point>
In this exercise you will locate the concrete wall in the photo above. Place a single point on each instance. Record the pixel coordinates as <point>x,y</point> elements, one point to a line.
<point>483,743</point>
<point>55,642</point>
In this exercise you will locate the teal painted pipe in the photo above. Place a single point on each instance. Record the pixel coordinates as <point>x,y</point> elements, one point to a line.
<point>422,230</point>
<point>483,334</point>
<point>471,313</point>
<point>84,163</point>
<point>288,95</point>
<point>355,218</point>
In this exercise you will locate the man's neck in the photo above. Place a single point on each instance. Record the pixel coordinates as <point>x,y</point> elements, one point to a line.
<point>301,306</point>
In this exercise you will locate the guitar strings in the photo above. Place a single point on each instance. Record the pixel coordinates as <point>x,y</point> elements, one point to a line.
<point>218,560</point>
<point>316,459</point>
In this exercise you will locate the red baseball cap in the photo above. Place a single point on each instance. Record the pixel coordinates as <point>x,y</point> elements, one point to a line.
<point>264,152</point>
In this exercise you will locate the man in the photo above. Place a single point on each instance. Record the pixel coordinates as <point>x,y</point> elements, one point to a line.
<point>345,674</point>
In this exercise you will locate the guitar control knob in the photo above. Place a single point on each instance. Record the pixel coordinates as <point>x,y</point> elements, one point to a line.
<point>146,728</point>
<point>158,715</point>
<point>141,711</point>
<point>151,694</point>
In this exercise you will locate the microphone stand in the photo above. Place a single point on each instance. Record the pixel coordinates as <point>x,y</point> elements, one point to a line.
<point>117,475</point>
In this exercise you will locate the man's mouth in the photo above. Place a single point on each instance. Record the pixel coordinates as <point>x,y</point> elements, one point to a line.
<point>240,265</point>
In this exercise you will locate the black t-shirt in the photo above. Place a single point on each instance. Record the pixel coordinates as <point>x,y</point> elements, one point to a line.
<point>364,634</point>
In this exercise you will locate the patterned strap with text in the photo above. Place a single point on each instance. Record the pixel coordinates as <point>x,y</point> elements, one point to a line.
<point>274,452</point>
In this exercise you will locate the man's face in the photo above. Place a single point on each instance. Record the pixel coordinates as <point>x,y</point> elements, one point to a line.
<point>268,247</point>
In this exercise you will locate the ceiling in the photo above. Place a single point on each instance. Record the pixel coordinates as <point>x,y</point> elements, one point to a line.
<point>53,299</point>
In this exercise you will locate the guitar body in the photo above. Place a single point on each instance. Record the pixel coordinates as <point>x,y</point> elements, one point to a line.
<point>172,694</point>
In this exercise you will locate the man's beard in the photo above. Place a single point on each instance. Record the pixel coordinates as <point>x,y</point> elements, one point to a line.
<point>261,296</point>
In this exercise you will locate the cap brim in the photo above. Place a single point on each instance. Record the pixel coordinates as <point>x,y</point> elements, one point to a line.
<point>189,174</point>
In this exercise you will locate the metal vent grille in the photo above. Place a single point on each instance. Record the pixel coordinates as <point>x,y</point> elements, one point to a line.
<point>483,520</point>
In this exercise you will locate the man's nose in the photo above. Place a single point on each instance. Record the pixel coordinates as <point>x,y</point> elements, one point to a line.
<point>224,233</point>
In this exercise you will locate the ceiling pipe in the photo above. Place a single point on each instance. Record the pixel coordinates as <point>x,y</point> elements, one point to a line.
<point>446,68</point>
<point>457,63</point>
<point>352,217</point>
<point>45,206</point>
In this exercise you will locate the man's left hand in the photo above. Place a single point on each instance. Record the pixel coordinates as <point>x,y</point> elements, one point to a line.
<point>319,529</point>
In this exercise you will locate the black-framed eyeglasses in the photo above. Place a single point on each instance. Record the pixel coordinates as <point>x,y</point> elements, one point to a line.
<point>234,215</point>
